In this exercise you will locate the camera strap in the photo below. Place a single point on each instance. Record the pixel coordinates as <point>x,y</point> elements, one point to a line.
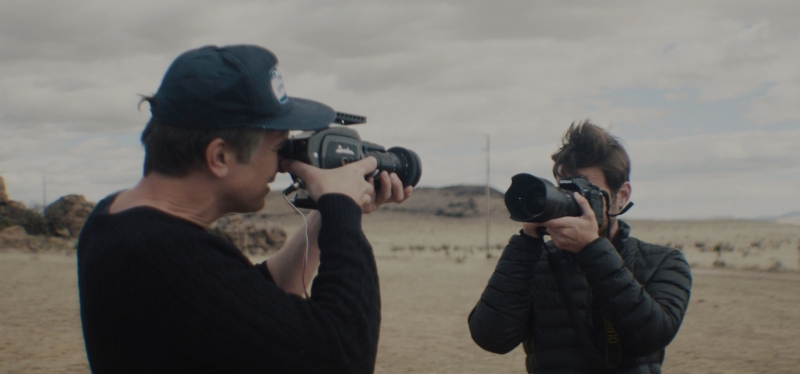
<point>608,211</point>
<point>611,357</point>
<point>624,209</point>
<point>608,205</point>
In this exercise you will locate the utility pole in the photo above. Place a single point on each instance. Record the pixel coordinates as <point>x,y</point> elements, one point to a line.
<point>488,172</point>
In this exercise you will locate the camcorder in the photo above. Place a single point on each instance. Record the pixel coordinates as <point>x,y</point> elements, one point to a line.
<point>338,146</point>
<point>532,199</point>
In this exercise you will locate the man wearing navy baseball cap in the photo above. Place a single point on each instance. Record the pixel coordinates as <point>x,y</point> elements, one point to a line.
<point>159,293</point>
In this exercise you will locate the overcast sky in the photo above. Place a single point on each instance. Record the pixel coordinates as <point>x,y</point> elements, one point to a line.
<point>703,93</point>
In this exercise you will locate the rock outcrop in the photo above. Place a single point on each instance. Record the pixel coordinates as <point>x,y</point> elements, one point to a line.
<point>3,194</point>
<point>14,237</point>
<point>14,213</point>
<point>250,237</point>
<point>67,215</point>
<point>27,230</point>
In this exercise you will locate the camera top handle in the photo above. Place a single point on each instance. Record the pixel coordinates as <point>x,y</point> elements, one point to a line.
<point>349,119</point>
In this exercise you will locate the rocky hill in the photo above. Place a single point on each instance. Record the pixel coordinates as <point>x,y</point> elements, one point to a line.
<point>792,218</point>
<point>23,229</point>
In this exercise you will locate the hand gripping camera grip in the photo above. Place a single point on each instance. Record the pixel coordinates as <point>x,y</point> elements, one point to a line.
<point>301,199</point>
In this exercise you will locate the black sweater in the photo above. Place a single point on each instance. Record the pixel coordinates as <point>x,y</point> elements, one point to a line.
<point>161,294</point>
<point>642,289</point>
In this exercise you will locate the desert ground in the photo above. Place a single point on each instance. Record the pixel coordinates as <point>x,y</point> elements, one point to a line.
<point>744,314</point>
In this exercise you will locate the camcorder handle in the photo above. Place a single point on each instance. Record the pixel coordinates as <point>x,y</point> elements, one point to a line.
<point>349,119</point>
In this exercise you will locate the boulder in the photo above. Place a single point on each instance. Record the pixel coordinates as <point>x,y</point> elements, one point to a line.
<point>67,215</point>
<point>13,237</point>
<point>3,194</point>
<point>14,213</point>
<point>250,237</point>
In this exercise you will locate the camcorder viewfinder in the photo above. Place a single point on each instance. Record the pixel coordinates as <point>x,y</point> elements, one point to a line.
<point>338,146</point>
<point>532,199</point>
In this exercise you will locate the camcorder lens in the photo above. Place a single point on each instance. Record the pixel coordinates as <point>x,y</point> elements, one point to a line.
<point>401,161</point>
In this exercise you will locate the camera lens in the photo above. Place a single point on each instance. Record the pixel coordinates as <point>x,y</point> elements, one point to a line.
<point>532,199</point>
<point>404,162</point>
<point>535,199</point>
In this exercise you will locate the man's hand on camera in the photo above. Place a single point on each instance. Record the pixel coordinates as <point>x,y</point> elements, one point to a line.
<point>534,229</point>
<point>347,180</point>
<point>574,233</point>
<point>391,190</point>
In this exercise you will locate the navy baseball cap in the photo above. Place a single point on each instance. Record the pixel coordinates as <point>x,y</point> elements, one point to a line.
<point>233,86</point>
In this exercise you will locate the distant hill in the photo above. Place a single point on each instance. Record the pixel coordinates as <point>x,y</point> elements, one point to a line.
<point>790,218</point>
<point>452,201</point>
<point>464,190</point>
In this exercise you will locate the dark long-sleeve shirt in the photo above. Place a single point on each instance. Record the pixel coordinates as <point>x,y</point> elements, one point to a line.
<point>161,294</point>
<point>641,289</point>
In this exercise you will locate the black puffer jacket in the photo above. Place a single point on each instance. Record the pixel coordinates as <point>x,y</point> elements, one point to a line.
<point>641,289</point>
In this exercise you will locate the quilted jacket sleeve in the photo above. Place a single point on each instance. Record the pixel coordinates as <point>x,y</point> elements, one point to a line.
<point>648,316</point>
<point>499,320</point>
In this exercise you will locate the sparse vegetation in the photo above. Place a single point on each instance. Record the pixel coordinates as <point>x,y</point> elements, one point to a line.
<point>723,247</point>
<point>776,266</point>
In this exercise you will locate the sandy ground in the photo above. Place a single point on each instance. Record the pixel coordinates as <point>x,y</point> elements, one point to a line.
<point>432,272</point>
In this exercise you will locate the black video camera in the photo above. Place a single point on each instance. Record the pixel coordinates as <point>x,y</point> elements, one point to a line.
<point>338,146</point>
<point>532,199</point>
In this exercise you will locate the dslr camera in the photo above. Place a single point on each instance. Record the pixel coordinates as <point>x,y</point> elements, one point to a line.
<point>338,146</point>
<point>532,199</point>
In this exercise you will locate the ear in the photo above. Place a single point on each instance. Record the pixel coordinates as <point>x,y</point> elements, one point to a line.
<point>623,195</point>
<point>218,158</point>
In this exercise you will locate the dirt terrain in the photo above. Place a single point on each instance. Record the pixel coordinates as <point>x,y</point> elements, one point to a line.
<point>744,315</point>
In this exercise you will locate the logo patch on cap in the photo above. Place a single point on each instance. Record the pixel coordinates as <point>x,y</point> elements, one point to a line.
<point>276,81</point>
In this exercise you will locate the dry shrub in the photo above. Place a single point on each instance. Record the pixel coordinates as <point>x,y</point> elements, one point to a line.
<point>724,247</point>
<point>776,266</point>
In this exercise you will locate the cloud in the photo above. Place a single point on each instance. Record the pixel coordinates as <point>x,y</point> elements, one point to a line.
<point>702,92</point>
<point>743,174</point>
<point>713,155</point>
<point>778,104</point>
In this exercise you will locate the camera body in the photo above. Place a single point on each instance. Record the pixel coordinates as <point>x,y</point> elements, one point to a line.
<point>532,199</point>
<point>338,146</point>
<point>593,194</point>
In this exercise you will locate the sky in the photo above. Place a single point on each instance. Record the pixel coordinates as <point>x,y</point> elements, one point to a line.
<point>704,94</point>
